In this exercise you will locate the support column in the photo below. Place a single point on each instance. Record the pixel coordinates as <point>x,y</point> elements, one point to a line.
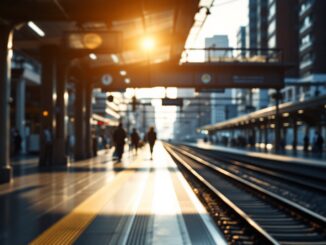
<point>60,140</point>
<point>295,134</point>
<point>6,36</point>
<point>88,126</point>
<point>260,134</point>
<point>20,111</point>
<point>266,136</point>
<point>80,110</point>
<point>48,104</point>
<point>277,121</point>
<point>253,136</point>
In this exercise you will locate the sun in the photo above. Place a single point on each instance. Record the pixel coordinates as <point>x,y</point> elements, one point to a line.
<point>148,43</point>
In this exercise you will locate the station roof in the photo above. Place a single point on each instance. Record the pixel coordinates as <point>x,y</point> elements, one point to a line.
<point>168,22</point>
<point>309,111</point>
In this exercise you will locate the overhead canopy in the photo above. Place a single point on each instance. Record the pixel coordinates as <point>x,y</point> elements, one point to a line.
<point>310,111</point>
<point>167,22</point>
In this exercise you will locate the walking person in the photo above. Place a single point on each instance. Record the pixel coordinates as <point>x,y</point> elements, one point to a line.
<point>134,139</point>
<point>306,143</point>
<point>318,142</point>
<point>46,157</point>
<point>119,136</point>
<point>151,138</point>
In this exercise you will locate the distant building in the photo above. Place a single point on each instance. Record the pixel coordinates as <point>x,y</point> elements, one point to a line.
<point>294,27</point>
<point>283,32</point>
<point>217,41</point>
<point>312,19</point>
<point>186,122</point>
<point>262,24</point>
<point>242,40</point>
<point>258,21</point>
<point>222,105</point>
<point>258,39</point>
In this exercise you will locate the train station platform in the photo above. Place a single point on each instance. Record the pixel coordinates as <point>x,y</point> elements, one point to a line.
<point>285,156</point>
<point>99,201</point>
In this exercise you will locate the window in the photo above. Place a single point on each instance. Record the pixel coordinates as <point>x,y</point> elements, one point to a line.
<point>272,42</point>
<point>272,27</point>
<point>272,11</point>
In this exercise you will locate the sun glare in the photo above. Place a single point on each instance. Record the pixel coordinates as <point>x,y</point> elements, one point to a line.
<point>148,43</point>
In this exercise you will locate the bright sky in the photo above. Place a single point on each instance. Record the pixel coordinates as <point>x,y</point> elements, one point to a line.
<point>225,19</point>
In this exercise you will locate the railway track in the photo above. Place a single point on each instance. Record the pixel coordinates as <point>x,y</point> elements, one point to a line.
<point>246,212</point>
<point>308,191</point>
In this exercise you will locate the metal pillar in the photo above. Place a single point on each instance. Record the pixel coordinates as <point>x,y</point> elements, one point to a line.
<point>260,137</point>
<point>266,136</point>
<point>254,135</point>
<point>20,111</point>
<point>88,128</point>
<point>60,139</point>
<point>80,110</point>
<point>6,36</point>
<point>277,142</point>
<point>48,103</point>
<point>295,134</point>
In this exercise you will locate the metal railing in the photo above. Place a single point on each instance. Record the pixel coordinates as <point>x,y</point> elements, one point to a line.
<point>245,55</point>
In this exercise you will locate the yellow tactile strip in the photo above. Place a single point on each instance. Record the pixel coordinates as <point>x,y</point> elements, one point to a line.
<point>70,227</point>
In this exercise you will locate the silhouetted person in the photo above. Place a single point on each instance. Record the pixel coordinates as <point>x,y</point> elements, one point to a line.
<point>119,136</point>
<point>306,143</point>
<point>94,144</point>
<point>47,153</point>
<point>318,142</point>
<point>151,138</point>
<point>134,139</point>
<point>17,141</point>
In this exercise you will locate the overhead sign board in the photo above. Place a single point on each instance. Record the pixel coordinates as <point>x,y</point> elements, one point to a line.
<point>172,102</point>
<point>106,41</point>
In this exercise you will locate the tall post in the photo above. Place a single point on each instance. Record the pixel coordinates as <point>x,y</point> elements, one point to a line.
<point>266,136</point>
<point>80,110</point>
<point>60,139</point>
<point>88,116</point>
<point>20,111</point>
<point>295,134</point>
<point>48,104</point>
<point>6,37</point>
<point>277,121</point>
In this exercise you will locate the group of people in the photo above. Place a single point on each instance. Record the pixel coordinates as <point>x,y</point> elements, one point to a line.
<point>120,135</point>
<point>318,142</point>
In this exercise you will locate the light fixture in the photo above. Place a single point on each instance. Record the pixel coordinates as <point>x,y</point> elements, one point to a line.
<point>286,114</point>
<point>45,113</point>
<point>127,80</point>
<point>115,58</point>
<point>148,43</point>
<point>36,29</point>
<point>123,73</point>
<point>92,56</point>
<point>300,111</point>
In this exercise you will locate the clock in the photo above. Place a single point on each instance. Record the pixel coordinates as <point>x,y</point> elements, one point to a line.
<point>206,78</point>
<point>107,79</point>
